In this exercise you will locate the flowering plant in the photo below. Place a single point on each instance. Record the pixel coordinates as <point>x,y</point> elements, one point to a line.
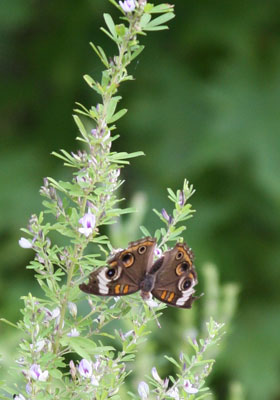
<point>67,350</point>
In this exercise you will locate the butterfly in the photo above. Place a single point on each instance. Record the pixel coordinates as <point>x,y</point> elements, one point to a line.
<point>170,279</point>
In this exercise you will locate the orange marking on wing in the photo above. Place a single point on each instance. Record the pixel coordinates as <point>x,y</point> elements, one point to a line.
<point>117,289</point>
<point>113,264</point>
<point>186,255</point>
<point>171,297</point>
<point>134,248</point>
<point>191,276</point>
<point>163,295</point>
<point>125,289</point>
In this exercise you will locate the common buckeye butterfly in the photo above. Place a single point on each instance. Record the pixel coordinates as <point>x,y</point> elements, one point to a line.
<point>170,279</point>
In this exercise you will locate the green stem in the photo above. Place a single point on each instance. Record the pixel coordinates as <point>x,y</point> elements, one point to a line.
<point>78,250</point>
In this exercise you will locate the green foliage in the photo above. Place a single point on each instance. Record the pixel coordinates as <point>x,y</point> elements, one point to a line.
<point>208,109</point>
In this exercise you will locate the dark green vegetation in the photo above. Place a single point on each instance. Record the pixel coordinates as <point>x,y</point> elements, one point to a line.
<point>205,105</point>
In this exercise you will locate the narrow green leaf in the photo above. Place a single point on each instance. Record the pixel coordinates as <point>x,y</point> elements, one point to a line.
<point>9,323</point>
<point>100,52</point>
<point>157,28</point>
<point>136,52</point>
<point>81,127</point>
<point>173,361</point>
<point>161,8</point>
<point>110,23</point>
<point>103,55</point>
<point>160,20</point>
<point>117,116</point>
<point>108,34</point>
<point>145,231</point>
<point>112,107</point>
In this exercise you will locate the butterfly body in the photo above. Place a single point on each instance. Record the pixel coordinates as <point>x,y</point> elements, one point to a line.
<point>170,278</point>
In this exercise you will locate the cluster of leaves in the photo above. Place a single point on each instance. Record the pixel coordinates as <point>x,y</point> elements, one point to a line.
<point>57,325</point>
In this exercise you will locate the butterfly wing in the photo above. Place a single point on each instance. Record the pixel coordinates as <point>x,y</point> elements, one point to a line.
<point>176,278</point>
<point>124,272</point>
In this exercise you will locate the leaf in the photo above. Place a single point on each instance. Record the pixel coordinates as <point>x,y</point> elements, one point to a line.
<point>145,231</point>
<point>173,196</point>
<point>101,54</point>
<point>160,20</point>
<point>117,116</point>
<point>112,106</point>
<point>173,361</point>
<point>55,373</point>
<point>145,19</point>
<point>110,23</point>
<point>108,34</point>
<point>136,52</point>
<point>84,346</point>
<point>81,127</point>
<point>161,8</point>
<point>8,323</point>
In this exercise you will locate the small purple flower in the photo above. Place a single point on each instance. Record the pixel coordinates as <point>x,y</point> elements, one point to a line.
<point>156,375</point>
<point>129,333</point>
<point>165,383</point>
<point>73,333</point>
<point>188,387</point>
<point>49,315</point>
<point>24,243</point>
<point>94,132</point>
<point>37,374</point>
<point>127,5</point>
<point>167,217</point>
<point>158,252</point>
<point>72,369</point>
<point>88,223</point>
<point>28,388</point>
<point>182,198</point>
<point>85,368</point>
<point>143,390</point>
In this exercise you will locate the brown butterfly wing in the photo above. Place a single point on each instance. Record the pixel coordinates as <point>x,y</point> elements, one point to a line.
<point>124,271</point>
<point>176,278</point>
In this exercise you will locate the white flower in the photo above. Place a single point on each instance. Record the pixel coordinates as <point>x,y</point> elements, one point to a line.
<point>88,223</point>
<point>94,381</point>
<point>24,243</point>
<point>19,397</point>
<point>151,302</point>
<point>156,375</point>
<point>55,313</point>
<point>38,346</point>
<point>85,368</point>
<point>72,309</point>
<point>127,5</point>
<point>73,333</point>
<point>143,390</point>
<point>188,387</point>
<point>174,393</point>
<point>37,374</point>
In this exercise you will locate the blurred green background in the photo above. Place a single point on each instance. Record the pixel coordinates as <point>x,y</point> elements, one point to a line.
<point>205,106</point>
